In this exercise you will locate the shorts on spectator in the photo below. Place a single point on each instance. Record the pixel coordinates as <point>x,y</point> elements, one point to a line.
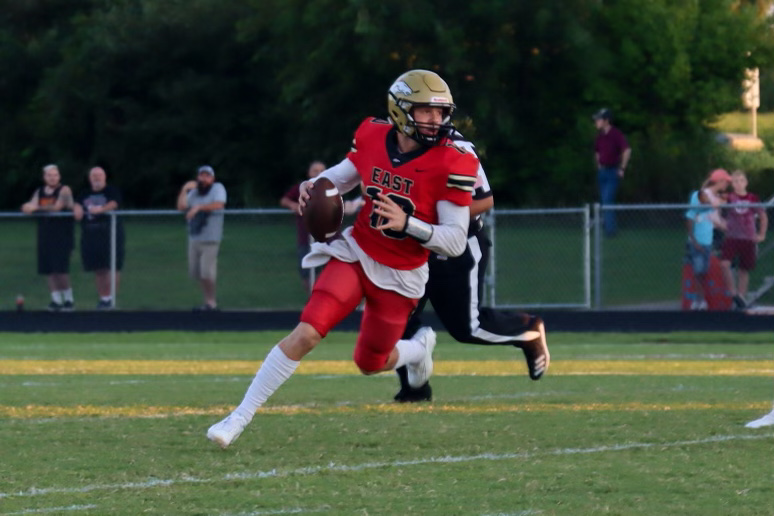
<point>745,250</point>
<point>95,250</point>
<point>203,259</point>
<point>53,260</point>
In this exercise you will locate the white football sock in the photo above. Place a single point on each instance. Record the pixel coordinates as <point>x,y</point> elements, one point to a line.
<point>276,368</point>
<point>68,295</point>
<point>409,352</point>
<point>56,297</point>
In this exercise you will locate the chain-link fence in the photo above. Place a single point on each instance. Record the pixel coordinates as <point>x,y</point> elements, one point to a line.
<point>640,267</point>
<point>546,258</point>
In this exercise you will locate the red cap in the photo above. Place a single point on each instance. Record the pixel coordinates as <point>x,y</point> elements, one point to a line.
<point>719,174</point>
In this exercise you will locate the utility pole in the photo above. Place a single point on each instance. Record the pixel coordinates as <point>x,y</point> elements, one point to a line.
<point>751,95</point>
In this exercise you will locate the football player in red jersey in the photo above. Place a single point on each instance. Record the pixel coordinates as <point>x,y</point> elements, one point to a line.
<point>417,186</point>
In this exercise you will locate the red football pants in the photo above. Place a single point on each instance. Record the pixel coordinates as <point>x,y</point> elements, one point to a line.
<point>337,293</point>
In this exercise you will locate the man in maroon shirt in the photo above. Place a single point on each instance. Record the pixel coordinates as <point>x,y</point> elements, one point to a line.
<point>611,155</point>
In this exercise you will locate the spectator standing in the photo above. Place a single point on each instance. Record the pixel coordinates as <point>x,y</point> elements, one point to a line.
<point>203,202</point>
<point>701,218</point>
<point>611,155</point>
<point>742,237</point>
<point>92,208</point>
<point>56,236</point>
<point>290,201</point>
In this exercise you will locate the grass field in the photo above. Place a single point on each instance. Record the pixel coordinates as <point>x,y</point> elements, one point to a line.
<point>623,424</point>
<point>741,122</point>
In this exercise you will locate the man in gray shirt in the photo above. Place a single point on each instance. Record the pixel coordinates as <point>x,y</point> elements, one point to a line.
<point>203,202</point>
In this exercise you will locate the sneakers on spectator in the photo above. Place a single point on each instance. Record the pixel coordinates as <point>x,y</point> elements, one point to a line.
<point>420,372</point>
<point>68,306</point>
<point>536,350</point>
<point>226,431</point>
<point>767,420</point>
<point>53,306</point>
<point>739,302</point>
<point>206,307</point>
<point>104,305</point>
<point>698,305</point>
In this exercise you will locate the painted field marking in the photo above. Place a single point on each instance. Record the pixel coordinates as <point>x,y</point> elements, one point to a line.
<point>442,368</point>
<point>278,511</point>
<point>528,512</point>
<point>45,510</point>
<point>168,411</point>
<point>343,468</point>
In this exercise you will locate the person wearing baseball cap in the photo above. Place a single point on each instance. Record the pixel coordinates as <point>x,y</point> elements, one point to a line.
<point>206,169</point>
<point>203,201</point>
<point>701,219</point>
<point>611,155</point>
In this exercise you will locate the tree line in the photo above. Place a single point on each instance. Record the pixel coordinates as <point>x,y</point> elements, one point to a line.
<point>150,89</point>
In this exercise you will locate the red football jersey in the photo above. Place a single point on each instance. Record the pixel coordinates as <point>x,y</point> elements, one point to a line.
<point>416,181</point>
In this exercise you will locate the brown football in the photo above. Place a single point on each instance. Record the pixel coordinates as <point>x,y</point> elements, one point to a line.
<point>324,210</point>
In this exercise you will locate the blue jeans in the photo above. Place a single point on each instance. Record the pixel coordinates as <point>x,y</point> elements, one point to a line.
<point>699,258</point>
<point>608,186</point>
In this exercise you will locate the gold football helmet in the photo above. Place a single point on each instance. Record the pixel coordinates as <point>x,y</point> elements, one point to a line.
<point>419,88</point>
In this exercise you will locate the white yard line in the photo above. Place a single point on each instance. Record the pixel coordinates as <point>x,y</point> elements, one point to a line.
<point>336,468</point>
<point>528,512</point>
<point>278,511</point>
<point>51,509</point>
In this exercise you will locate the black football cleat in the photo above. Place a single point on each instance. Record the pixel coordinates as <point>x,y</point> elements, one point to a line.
<point>410,395</point>
<point>536,350</point>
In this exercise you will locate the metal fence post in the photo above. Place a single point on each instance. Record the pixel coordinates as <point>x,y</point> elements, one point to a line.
<point>490,220</point>
<point>113,239</point>
<point>587,256</point>
<point>597,256</point>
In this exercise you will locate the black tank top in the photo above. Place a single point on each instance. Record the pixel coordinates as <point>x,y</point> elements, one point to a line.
<point>59,231</point>
<point>45,199</point>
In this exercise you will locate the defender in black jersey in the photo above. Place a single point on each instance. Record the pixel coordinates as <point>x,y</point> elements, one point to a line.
<point>455,288</point>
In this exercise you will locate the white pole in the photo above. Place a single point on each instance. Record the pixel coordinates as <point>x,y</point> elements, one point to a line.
<point>587,257</point>
<point>113,239</point>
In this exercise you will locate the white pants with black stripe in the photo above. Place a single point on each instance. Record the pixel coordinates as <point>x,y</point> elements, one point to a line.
<point>454,289</point>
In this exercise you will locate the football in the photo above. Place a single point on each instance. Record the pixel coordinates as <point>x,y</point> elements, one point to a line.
<point>324,210</point>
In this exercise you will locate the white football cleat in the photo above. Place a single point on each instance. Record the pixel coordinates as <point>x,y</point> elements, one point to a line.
<point>225,432</point>
<point>767,420</point>
<point>420,372</point>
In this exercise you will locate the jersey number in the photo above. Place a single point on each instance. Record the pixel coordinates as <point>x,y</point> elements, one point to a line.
<point>377,220</point>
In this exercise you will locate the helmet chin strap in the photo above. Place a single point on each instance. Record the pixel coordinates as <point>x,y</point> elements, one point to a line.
<point>425,139</point>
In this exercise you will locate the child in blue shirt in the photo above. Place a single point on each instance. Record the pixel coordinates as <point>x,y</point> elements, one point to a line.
<point>701,218</point>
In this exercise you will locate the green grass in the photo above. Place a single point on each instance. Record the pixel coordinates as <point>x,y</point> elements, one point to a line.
<point>646,444</point>
<point>741,122</point>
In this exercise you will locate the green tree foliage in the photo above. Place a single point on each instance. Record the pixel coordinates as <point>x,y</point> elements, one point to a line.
<point>152,89</point>
<point>258,88</point>
<point>677,66</point>
<point>30,36</point>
